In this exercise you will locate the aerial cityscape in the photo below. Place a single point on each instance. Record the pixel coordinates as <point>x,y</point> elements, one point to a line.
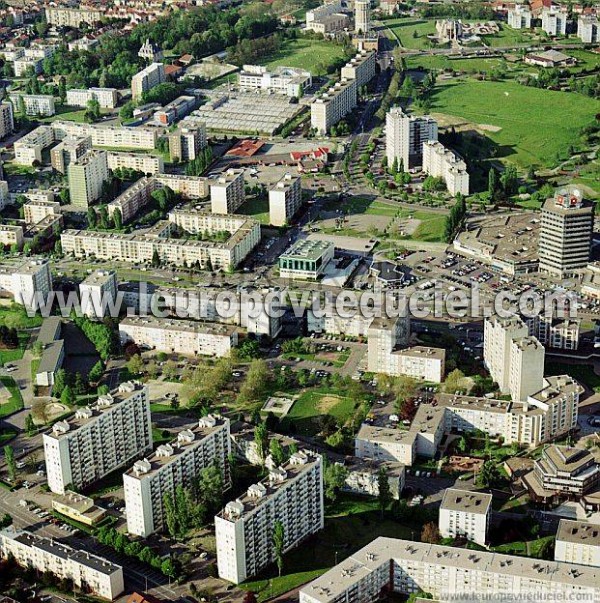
<point>299,301</point>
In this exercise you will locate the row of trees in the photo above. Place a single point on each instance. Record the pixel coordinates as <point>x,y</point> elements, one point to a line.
<point>103,335</point>
<point>197,166</point>
<point>455,219</point>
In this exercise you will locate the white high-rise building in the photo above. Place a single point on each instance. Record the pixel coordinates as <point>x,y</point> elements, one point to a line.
<point>405,135</point>
<point>362,17</point>
<point>465,514</point>
<point>333,105</point>
<point>588,29</point>
<point>146,79</point>
<point>172,465</point>
<point>554,20</point>
<point>519,17</point>
<point>99,439</point>
<point>88,572</point>
<point>87,176</point>
<point>440,162</point>
<point>228,192</point>
<point>29,282</point>
<point>285,199</point>
<point>578,542</point>
<point>98,293</point>
<point>292,495</point>
<point>526,370</point>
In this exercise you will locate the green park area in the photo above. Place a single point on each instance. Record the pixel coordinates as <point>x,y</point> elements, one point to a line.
<point>67,114</point>
<point>503,113</point>
<point>412,33</point>
<point>10,397</point>
<point>305,53</point>
<point>15,317</point>
<point>257,208</point>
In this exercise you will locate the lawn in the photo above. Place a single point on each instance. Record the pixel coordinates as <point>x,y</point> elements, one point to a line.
<point>507,37</point>
<point>364,205</point>
<point>257,209</point>
<point>16,316</point>
<point>507,112</point>
<point>15,402</point>
<point>312,55</point>
<point>313,404</point>
<point>10,355</point>
<point>66,114</point>
<point>431,227</point>
<point>406,29</point>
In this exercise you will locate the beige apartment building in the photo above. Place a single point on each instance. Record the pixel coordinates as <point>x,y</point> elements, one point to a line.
<point>189,187</point>
<point>72,17</point>
<point>285,199</point>
<point>360,68</point>
<point>35,104</point>
<point>172,465</point>
<point>146,79</point>
<point>11,236</point>
<point>440,162</point>
<point>228,192</point>
<point>466,514</point>
<point>28,149</point>
<point>140,162</point>
<point>68,151</point>
<point>142,138</point>
<point>186,142</point>
<point>87,176</point>
<point>29,281</point>
<point>333,105</point>
<point>134,199</point>
<point>578,542</point>
<point>36,211</point>
<point>88,572</point>
<point>107,98</point>
<point>186,337</point>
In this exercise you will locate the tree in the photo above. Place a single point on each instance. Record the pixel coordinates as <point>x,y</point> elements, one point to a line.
<point>385,495</point>
<point>334,479</point>
<point>103,220</point>
<point>492,183</point>
<point>170,370</point>
<point>171,520</point>
<point>11,464</point>
<point>430,533</point>
<point>278,544</point>
<point>68,396</point>
<point>135,364</point>
<point>117,219</point>
<point>210,489</point>
<point>92,218</point>
<point>96,372</point>
<point>92,110</point>
<point>60,381</point>
<point>29,424</point>
<point>261,439</point>
<point>276,451</point>
<point>488,475</point>
<point>456,382</point>
<point>155,259</point>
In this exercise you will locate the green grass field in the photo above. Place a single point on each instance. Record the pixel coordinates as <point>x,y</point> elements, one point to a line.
<point>257,209</point>
<point>406,29</point>
<point>313,55</point>
<point>15,402</point>
<point>532,122</point>
<point>507,37</point>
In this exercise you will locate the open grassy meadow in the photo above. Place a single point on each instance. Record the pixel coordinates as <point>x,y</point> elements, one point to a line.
<point>412,33</point>
<point>303,53</point>
<point>528,126</point>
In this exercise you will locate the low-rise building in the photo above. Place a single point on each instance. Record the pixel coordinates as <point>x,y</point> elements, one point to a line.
<point>465,514</point>
<point>306,259</point>
<point>11,236</point>
<point>35,104</point>
<point>28,149</point>
<point>291,495</point>
<point>285,199</point>
<point>107,98</point>
<point>281,80</point>
<point>363,477</point>
<point>140,162</point>
<point>87,571</point>
<point>176,110</point>
<point>577,542</point>
<point>146,79</point>
<point>78,507</point>
<point>172,465</point>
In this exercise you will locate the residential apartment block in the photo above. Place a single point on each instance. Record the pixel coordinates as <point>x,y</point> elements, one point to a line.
<point>519,17</point>
<point>186,142</point>
<point>69,151</point>
<point>282,80</point>
<point>228,192</point>
<point>363,477</point>
<point>292,495</point>
<point>97,293</point>
<point>465,514</point>
<point>87,176</point>
<point>189,187</point>
<point>53,354</point>
<point>440,162</point>
<point>588,29</point>
<point>107,98</point>
<point>140,162</point>
<point>11,236</point>
<point>88,572</point>
<point>408,567</point>
<point>28,149</point>
<point>565,233</point>
<point>99,439</point>
<point>330,108</point>
<point>134,199</point>
<point>405,136</point>
<point>172,465</point>
<point>7,122</point>
<point>329,24</point>
<point>578,542</point>
<point>554,20</point>
<point>146,79</point>
<point>141,138</point>
<point>285,199</point>
<point>360,68</point>
<point>29,281</point>
<point>186,337</point>
<point>72,17</point>
<point>35,104</point>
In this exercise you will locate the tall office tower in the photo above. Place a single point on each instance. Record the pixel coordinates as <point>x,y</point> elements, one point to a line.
<point>86,178</point>
<point>565,233</point>
<point>172,465</point>
<point>405,135</point>
<point>292,495</point>
<point>99,439</point>
<point>362,16</point>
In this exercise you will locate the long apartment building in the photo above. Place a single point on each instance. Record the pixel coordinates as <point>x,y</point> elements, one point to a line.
<point>135,198</point>
<point>99,439</point>
<point>35,104</point>
<point>360,68</point>
<point>405,136</point>
<point>186,337</point>
<point>282,80</point>
<point>28,149</point>
<point>228,193</point>
<point>406,567</point>
<point>333,105</point>
<point>440,162</point>
<point>141,138</point>
<point>107,98</point>
<point>292,495</point>
<point>146,79</point>
<point>578,542</point>
<point>565,233</point>
<point>90,573</point>
<point>140,162</point>
<point>72,17</point>
<point>189,187</point>
<point>29,281</point>
<point>87,176</point>
<point>285,199</point>
<point>245,235</point>
<point>176,464</point>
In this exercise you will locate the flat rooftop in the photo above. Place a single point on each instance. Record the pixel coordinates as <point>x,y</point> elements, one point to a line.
<point>180,325</point>
<point>467,501</point>
<point>98,277</point>
<point>578,532</point>
<point>305,249</point>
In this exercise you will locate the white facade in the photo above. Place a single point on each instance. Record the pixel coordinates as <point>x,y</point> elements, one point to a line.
<point>35,104</point>
<point>228,192</point>
<point>87,176</point>
<point>140,162</point>
<point>99,439</point>
<point>87,571</point>
<point>362,16</point>
<point>72,17</point>
<point>360,68</point>
<point>28,149</point>
<point>292,495</point>
<point>79,97</point>
<point>285,199</point>
<point>333,105</point>
<point>180,336</point>
<point>282,80</point>
<point>554,21</point>
<point>98,293</point>
<point>440,162</point>
<point>173,465</point>
<point>578,542</point>
<point>519,17</point>
<point>36,211</point>
<point>141,138</point>
<point>465,514</point>
<point>186,142</point>
<point>146,79</point>
<point>588,29</point>
<point>526,372</point>
<point>29,282</point>
<point>405,136</point>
